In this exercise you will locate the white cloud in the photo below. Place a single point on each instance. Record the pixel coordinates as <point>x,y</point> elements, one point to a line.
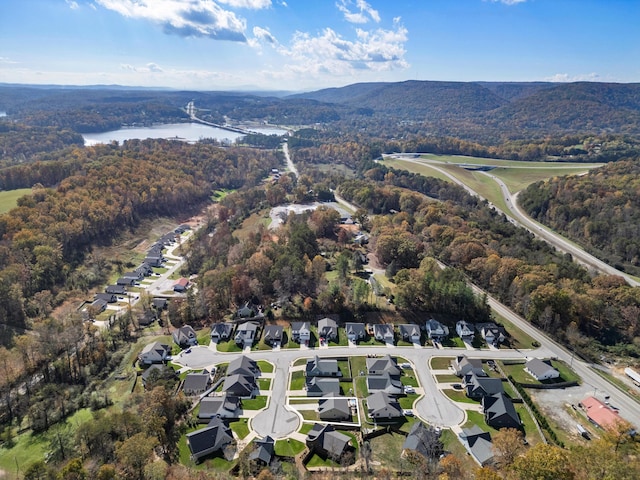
<point>187,18</point>
<point>148,68</point>
<point>250,4</point>
<point>583,77</point>
<point>72,4</point>
<point>365,13</point>
<point>6,60</point>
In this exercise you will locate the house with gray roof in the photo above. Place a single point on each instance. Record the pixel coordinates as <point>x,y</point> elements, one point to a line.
<point>477,387</point>
<point>465,330</point>
<point>185,336</point>
<point>99,305</point>
<point>423,439</point>
<point>390,384</point>
<point>355,331</point>
<point>492,333</point>
<point>116,289</point>
<point>478,443</point>
<point>499,411</point>
<point>246,311</point>
<point>223,406</point>
<point>328,329</point>
<point>215,437</point>
<point>436,331</point>
<point>107,297</point>
<point>264,451</point>
<point>155,352</point>
<point>301,332</point>
<point>380,365</point>
<point>196,383</point>
<point>221,331</point>
<point>463,365</point>
<point>126,281</point>
<point>322,367</point>
<point>272,335</point>
<point>323,387</point>
<point>325,441</point>
<point>246,333</point>
<point>410,332</point>
<point>242,386</point>
<point>382,406</point>
<point>243,365</point>
<point>334,410</point>
<point>384,332</point>
<point>540,369</point>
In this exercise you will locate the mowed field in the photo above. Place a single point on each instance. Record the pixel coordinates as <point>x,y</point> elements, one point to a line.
<point>9,199</point>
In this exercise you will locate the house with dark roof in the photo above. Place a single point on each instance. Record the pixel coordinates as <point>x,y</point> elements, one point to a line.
<point>390,384</point>
<point>221,331</point>
<point>382,406</point>
<point>410,332</point>
<point>242,386</point>
<point>492,333</point>
<point>499,411</point>
<point>246,311</point>
<point>540,369</point>
<point>145,269</point>
<point>436,331</point>
<point>185,336</point>
<point>246,333</point>
<point>137,276</point>
<point>301,332</point>
<point>465,330</point>
<point>116,289</point>
<point>264,451</point>
<point>272,335</point>
<point>478,443</point>
<point>155,352</point>
<point>243,365</point>
<point>322,367</point>
<point>99,305</point>
<point>463,365</point>
<point>325,441</point>
<point>323,387</point>
<point>154,260</point>
<point>196,383</point>
<point>423,439</point>
<point>599,413</point>
<point>334,409</point>
<point>477,387</point>
<point>355,331</point>
<point>215,437</point>
<point>181,285</point>
<point>126,281</point>
<point>380,365</point>
<point>384,332</point>
<point>328,329</point>
<point>222,406</point>
<point>107,297</point>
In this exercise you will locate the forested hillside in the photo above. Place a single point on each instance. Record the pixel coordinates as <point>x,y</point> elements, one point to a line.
<point>600,210</point>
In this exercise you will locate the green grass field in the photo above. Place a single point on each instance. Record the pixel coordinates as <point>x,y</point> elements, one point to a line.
<point>9,199</point>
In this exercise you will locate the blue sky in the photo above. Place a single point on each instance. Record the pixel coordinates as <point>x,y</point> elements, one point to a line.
<point>309,44</point>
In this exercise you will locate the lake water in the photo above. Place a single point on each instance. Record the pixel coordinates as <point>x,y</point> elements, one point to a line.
<point>189,132</point>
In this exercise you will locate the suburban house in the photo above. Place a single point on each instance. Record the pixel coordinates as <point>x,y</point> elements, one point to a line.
<point>242,386</point>
<point>107,297</point>
<point>181,285</point>
<point>243,366</point>
<point>355,331</point>
<point>424,440</point>
<point>492,333</point>
<point>137,276</point>
<point>221,331</point>
<point>381,406</point>
<point>540,369</point>
<point>126,281</point>
<point>436,331</point>
<point>381,365</point>
<point>154,260</point>
<point>325,441</point>
<point>328,329</point>
<point>246,333</point>
<point>383,332</point>
<point>322,367</point>
<point>155,352</point>
<point>478,387</point>
<point>246,311</point>
<point>323,387</point>
<point>272,335</point>
<point>465,330</point>
<point>463,365</point>
<point>390,384</point>
<point>145,270</point>
<point>334,410</point>
<point>478,443</point>
<point>213,438</point>
<point>301,332</point>
<point>116,289</point>
<point>410,332</point>
<point>600,414</point>
<point>196,383</point>
<point>264,451</point>
<point>185,336</point>
<point>159,303</point>
<point>499,411</point>
<point>223,406</point>
<point>99,305</point>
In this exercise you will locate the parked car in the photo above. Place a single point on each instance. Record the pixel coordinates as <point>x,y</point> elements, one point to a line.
<point>407,413</point>
<point>409,389</point>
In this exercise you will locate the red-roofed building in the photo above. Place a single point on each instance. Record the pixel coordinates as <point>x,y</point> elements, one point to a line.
<point>599,413</point>
<point>181,285</point>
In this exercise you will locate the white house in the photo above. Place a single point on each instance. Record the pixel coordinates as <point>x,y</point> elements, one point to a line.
<point>155,352</point>
<point>465,330</point>
<point>540,370</point>
<point>301,332</point>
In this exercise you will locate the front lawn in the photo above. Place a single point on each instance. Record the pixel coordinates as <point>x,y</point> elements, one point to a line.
<point>289,447</point>
<point>566,374</point>
<point>409,378</point>
<point>458,396</point>
<point>265,367</point>
<point>240,427</point>
<point>447,378</point>
<point>306,428</point>
<point>406,403</point>
<point>229,346</point>
<point>441,363</point>
<point>358,364</point>
<point>297,380</point>
<point>257,403</point>
<point>264,383</point>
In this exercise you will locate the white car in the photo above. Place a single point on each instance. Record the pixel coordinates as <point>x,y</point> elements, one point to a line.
<point>409,389</point>
<point>407,413</point>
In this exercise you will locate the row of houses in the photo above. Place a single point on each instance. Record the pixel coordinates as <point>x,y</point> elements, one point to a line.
<point>491,333</point>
